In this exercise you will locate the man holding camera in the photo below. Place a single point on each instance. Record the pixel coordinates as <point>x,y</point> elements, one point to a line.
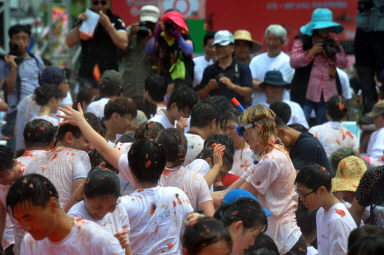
<point>20,71</point>
<point>101,49</point>
<point>227,77</point>
<point>136,66</point>
<point>315,56</point>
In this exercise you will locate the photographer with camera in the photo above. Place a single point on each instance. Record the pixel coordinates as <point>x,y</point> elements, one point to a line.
<point>315,56</point>
<point>171,48</point>
<point>369,50</point>
<point>100,50</point>
<point>20,71</point>
<point>227,77</point>
<point>136,66</point>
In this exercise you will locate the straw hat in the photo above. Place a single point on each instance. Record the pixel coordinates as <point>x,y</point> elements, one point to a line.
<point>245,35</point>
<point>348,174</point>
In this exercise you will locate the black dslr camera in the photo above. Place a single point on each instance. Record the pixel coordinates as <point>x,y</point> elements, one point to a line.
<point>14,50</point>
<point>218,77</point>
<point>169,27</point>
<point>144,26</point>
<point>330,47</point>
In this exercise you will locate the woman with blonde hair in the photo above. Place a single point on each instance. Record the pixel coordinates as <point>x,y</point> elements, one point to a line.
<point>271,178</point>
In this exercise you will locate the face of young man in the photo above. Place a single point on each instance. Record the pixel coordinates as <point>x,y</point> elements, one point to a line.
<point>99,5</point>
<point>242,49</point>
<point>22,40</point>
<point>98,207</point>
<point>123,123</point>
<point>8,176</point>
<point>209,49</point>
<point>309,197</point>
<point>81,143</point>
<point>273,93</point>
<point>223,51</point>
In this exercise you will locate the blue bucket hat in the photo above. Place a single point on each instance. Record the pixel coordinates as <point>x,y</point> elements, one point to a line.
<point>52,75</point>
<point>274,78</point>
<point>236,194</point>
<point>321,18</point>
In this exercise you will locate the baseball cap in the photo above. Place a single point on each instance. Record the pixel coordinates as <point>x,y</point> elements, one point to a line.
<point>223,38</point>
<point>236,194</point>
<point>149,13</point>
<point>378,109</point>
<point>52,75</point>
<point>111,78</point>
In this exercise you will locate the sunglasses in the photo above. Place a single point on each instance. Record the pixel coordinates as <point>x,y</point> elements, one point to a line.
<point>99,2</point>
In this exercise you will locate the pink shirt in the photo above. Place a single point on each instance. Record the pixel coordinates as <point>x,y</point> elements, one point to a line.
<point>319,82</point>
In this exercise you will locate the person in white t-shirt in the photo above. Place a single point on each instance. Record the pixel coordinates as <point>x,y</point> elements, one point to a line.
<point>156,214</point>
<point>155,87</point>
<point>346,91</point>
<point>33,201</point>
<point>110,86</point>
<point>175,174</point>
<point>334,222</point>
<point>273,59</point>
<point>207,59</point>
<point>100,205</point>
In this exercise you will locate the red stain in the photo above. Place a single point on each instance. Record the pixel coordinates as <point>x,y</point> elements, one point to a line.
<point>178,199</point>
<point>174,203</point>
<point>148,163</point>
<point>166,172</point>
<point>170,245</point>
<point>153,209</point>
<point>340,212</point>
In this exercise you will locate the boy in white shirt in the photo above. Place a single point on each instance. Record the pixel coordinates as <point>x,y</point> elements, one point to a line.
<point>333,220</point>
<point>33,201</point>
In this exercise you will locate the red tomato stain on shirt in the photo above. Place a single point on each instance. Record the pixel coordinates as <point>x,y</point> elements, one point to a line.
<point>340,212</point>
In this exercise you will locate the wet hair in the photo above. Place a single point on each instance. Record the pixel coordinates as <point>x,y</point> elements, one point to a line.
<point>150,130</point>
<point>263,244</point>
<point>184,97</point>
<point>63,129</point>
<point>282,111</point>
<point>368,239</point>
<point>202,232</point>
<point>95,123</point>
<point>101,182</point>
<point>306,221</point>
<point>221,139</point>
<point>229,115</point>
<point>298,127</point>
<point>208,153</point>
<point>203,114</point>
<point>313,176</point>
<point>120,105</point>
<point>7,159</point>
<point>45,92</point>
<point>127,138</point>
<point>97,160</point>
<point>175,145</point>
<point>156,86</point>
<point>260,114</point>
<point>336,108</point>
<point>208,36</point>
<point>15,29</point>
<point>84,95</point>
<point>246,210</point>
<point>39,132</point>
<point>147,160</point>
<point>222,105</point>
<point>179,83</point>
<point>33,188</point>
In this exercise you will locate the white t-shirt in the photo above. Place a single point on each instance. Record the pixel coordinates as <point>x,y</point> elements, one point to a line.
<point>8,236</point>
<point>52,120</point>
<point>29,156</point>
<point>333,136</point>
<point>161,118</point>
<point>345,84</point>
<point>113,222</point>
<point>156,216</point>
<point>375,148</point>
<point>86,238</point>
<point>62,166</point>
<point>200,64</point>
<point>242,160</point>
<point>333,229</point>
<point>191,182</point>
<point>312,251</point>
<point>97,107</point>
<point>201,166</point>
<point>126,187</point>
<point>195,146</point>
<point>261,64</point>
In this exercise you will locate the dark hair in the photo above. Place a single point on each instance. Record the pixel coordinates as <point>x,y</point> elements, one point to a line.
<point>120,105</point>
<point>127,138</point>
<point>366,240</point>
<point>246,210</point>
<point>84,95</point>
<point>203,114</point>
<point>95,122</point>
<point>298,127</point>
<point>147,160</point>
<point>7,159</point>
<point>33,188</point>
<point>184,97</point>
<point>263,244</point>
<point>101,182</point>
<point>39,132</point>
<point>313,176</point>
<point>208,36</point>
<point>339,155</point>
<point>179,83</point>
<point>156,86</point>
<point>222,105</point>
<point>208,153</point>
<point>175,145</point>
<point>221,139</point>
<point>44,93</point>
<point>306,221</point>
<point>150,130</point>
<point>203,232</point>
<point>280,123</point>
<point>336,108</point>
<point>282,110</point>
<point>232,114</point>
<point>15,29</point>
<point>97,160</point>
<point>63,129</point>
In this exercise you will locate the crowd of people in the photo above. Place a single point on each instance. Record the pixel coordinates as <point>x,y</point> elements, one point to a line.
<point>236,151</point>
